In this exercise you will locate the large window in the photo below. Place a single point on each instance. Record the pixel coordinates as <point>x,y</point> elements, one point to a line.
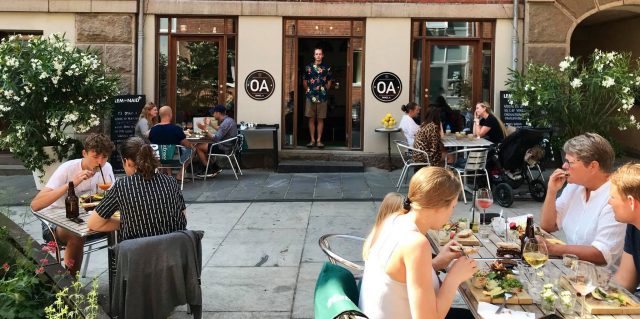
<point>196,60</point>
<point>458,69</point>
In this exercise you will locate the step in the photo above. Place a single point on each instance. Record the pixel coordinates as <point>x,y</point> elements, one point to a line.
<point>7,159</point>
<point>10,170</point>
<point>320,167</point>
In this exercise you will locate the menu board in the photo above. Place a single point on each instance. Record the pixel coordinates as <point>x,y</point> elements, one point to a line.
<point>124,117</point>
<point>512,115</point>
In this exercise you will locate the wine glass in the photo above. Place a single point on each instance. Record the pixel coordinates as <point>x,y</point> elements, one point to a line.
<point>484,200</point>
<point>584,282</point>
<point>535,253</point>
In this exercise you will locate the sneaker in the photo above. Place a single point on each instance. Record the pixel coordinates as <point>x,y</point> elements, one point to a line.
<point>201,174</point>
<point>311,144</point>
<point>216,173</point>
<point>320,145</point>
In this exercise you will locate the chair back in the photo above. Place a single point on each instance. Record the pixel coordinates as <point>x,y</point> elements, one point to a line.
<point>164,152</point>
<point>336,294</point>
<point>476,160</point>
<point>407,152</point>
<point>237,148</point>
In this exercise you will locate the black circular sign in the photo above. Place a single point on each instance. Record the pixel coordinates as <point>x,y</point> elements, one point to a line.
<point>259,85</point>
<point>386,87</point>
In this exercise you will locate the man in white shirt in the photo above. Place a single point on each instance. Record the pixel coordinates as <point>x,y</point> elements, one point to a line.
<point>82,172</point>
<point>582,211</point>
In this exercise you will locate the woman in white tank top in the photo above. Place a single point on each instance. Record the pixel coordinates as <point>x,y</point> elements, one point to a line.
<point>399,279</point>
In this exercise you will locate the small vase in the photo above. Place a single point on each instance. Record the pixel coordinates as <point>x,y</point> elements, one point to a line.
<point>548,306</point>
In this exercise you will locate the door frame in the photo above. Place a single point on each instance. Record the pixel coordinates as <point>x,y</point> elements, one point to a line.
<point>348,79</point>
<point>172,67</point>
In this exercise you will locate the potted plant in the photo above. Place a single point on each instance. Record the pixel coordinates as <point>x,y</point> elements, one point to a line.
<point>48,89</point>
<point>575,98</point>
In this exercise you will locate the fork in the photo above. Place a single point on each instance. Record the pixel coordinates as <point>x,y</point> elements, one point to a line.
<point>506,297</point>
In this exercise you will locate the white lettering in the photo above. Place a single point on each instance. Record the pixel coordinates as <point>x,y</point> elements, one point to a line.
<point>264,86</point>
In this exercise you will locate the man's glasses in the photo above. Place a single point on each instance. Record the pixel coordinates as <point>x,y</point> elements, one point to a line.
<point>570,163</point>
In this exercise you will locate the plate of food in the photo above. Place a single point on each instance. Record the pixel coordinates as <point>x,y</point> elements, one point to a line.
<point>90,201</point>
<point>508,250</point>
<point>490,285</point>
<point>609,300</point>
<point>466,249</point>
<point>457,231</point>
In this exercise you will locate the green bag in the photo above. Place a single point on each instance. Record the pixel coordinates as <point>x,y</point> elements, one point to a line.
<point>336,293</point>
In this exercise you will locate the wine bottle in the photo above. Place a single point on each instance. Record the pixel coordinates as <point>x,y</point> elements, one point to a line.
<point>529,234</point>
<point>71,203</point>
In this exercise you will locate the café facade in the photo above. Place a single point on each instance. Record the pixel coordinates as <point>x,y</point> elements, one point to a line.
<point>249,55</point>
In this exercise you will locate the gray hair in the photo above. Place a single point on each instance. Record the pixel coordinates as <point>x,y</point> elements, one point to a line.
<point>591,147</point>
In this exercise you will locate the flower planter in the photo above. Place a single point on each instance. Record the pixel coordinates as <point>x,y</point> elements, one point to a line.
<point>48,169</point>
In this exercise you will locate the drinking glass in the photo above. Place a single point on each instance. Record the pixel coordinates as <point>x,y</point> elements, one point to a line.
<point>535,253</point>
<point>104,183</point>
<point>484,200</point>
<point>603,277</point>
<point>584,282</point>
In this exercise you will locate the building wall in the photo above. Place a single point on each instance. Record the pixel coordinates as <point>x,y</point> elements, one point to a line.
<point>612,36</point>
<point>259,50</point>
<point>502,59</point>
<point>388,49</point>
<point>149,58</point>
<point>46,22</point>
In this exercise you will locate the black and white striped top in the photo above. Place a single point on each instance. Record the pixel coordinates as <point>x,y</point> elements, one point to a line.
<point>148,208</point>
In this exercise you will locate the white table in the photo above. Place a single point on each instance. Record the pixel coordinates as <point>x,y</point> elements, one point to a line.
<point>450,140</point>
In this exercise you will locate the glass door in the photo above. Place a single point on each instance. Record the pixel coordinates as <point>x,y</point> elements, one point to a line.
<point>450,75</point>
<point>196,72</point>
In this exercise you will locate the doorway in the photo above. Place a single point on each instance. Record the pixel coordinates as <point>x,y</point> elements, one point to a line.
<point>335,55</point>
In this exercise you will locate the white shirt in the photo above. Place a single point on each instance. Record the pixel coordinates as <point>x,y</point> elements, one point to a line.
<point>409,128</point>
<point>381,297</point>
<point>590,222</point>
<point>65,173</point>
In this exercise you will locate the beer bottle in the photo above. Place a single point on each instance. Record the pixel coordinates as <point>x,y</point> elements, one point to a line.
<point>71,203</point>
<point>529,234</point>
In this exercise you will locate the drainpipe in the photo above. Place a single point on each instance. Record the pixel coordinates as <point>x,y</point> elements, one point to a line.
<point>514,37</point>
<point>140,46</point>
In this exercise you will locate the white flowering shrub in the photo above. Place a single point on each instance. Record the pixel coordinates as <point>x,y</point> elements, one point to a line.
<point>595,96</point>
<point>47,86</point>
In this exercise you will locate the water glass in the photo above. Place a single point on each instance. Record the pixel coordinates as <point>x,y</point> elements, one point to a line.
<point>499,225</point>
<point>567,302</point>
<point>569,260</point>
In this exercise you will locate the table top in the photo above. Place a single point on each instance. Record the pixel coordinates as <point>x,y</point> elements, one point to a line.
<point>388,130</point>
<point>487,254</point>
<point>450,140</point>
<point>58,217</point>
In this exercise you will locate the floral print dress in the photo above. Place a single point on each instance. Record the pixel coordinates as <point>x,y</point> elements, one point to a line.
<point>428,139</point>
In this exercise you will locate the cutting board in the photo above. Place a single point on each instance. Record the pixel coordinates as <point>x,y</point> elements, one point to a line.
<point>522,298</point>
<point>469,241</point>
<point>601,307</point>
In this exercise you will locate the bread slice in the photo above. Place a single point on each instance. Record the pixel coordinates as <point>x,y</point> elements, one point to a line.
<point>465,233</point>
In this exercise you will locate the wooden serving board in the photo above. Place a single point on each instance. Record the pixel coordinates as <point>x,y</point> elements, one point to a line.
<point>521,298</point>
<point>601,307</point>
<point>469,241</point>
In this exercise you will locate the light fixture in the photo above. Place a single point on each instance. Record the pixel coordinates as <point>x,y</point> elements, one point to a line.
<point>215,30</point>
<point>331,27</point>
<point>183,28</point>
<point>316,27</point>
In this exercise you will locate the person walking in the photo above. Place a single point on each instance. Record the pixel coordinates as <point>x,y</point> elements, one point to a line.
<point>316,80</point>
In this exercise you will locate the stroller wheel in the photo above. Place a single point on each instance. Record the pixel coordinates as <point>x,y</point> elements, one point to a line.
<point>503,194</point>
<point>538,190</point>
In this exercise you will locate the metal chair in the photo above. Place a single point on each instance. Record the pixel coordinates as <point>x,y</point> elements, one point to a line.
<point>475,165</point>
<point>406,154</point>
<point>337,259</point>
<point>237,148</point>
<point>167,155</point>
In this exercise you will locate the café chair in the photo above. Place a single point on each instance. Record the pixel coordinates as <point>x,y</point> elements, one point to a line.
<point>475,166</point>
<point>336,259</point>
<point>169,159</point>
<point>406,154</point>
<point>336,294</point>
<point>93,243</point>
<point>236,149</point>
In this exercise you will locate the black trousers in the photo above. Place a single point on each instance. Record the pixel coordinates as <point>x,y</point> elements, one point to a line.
<point>459,313</point>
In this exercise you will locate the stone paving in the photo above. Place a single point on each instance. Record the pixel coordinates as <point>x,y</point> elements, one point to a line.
<point>260,251</point>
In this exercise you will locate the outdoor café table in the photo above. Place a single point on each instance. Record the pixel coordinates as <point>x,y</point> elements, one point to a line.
<point>388,131</point>
<point>450,140</point>
<point>487,255</point>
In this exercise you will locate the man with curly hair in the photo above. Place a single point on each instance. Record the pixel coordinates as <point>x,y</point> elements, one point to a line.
<point>85,174</point>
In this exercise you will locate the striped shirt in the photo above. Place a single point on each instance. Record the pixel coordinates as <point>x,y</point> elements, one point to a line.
<point>148,208</point>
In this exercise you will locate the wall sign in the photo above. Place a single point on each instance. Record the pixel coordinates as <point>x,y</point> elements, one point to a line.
<point>124,117</point>
<point>512,115</point>
<point>386,87</point>
<point>259,85</point>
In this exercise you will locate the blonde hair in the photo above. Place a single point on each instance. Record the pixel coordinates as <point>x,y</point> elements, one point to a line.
<point>146,113</point>
<point>391,203</point>
<point>627,180</point>
<point>432,187</point>
<point>487,107</point>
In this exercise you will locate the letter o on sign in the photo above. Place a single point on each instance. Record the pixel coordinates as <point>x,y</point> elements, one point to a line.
<point>386,87</point>
<point>259,85</point>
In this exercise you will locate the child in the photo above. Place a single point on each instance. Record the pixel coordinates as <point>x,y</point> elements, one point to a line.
<point>391,203</point>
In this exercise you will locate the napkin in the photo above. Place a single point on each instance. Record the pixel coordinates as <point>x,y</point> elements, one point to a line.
<point>519,220</point>
<point>488,311</point>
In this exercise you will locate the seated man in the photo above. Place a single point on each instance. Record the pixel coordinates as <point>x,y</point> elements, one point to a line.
<point>227,128</point>
<point>82,171</point>
<point>625,201</point>
<point>582,211</point>
<point>167,133</point>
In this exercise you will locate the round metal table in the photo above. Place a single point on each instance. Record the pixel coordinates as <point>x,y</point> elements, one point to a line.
<point>388,131</point>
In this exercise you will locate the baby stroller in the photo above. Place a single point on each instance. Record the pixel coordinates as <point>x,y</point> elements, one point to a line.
<point>517,163</point>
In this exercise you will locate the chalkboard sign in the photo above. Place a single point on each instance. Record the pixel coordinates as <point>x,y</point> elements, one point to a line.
<point>124,117</point>
<point>512,115</point>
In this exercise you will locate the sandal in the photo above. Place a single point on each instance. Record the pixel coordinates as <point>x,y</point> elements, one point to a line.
<point>320,145</point>
<point>311,144</point>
